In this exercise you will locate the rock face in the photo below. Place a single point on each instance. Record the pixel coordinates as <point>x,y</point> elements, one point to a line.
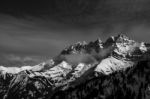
<point>116,69</point>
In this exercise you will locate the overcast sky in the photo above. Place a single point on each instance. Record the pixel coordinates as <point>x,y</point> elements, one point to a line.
<point>33,31</point>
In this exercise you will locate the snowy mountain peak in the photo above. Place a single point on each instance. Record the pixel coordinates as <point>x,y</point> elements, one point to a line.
<point>83,47</point>
<point>76,66</point>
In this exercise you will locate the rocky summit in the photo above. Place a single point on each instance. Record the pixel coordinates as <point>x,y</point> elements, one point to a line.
<point>118,68</point>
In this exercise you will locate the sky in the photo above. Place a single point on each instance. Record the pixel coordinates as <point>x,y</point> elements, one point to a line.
<point>34,31</point>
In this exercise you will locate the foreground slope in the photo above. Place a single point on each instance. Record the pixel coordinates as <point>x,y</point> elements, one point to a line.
<point>116,69</point>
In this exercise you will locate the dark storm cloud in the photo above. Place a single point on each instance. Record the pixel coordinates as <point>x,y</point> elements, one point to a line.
<point>80,12</point>
<point>38,29</point>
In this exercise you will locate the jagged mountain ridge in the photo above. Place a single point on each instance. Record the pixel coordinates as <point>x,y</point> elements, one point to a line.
<point>77,65</point>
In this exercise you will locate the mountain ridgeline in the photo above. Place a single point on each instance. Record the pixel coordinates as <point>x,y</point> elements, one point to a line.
<point>118,68</point>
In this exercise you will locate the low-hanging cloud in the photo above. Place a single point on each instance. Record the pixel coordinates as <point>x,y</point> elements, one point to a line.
<point>18,60</point>
<point>80,58</point>
<point>88,58</point>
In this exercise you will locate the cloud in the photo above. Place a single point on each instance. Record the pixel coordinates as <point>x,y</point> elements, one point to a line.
<point>80,58</point>
<point>16,60</point>
<point>46,32</point>
<point>22,37</point>
<point>91,57</point>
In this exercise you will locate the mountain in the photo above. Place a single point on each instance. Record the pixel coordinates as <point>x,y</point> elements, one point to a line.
<point>118,68</point>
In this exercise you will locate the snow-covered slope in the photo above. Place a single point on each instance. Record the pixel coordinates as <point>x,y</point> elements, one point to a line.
<point>75,66</point>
